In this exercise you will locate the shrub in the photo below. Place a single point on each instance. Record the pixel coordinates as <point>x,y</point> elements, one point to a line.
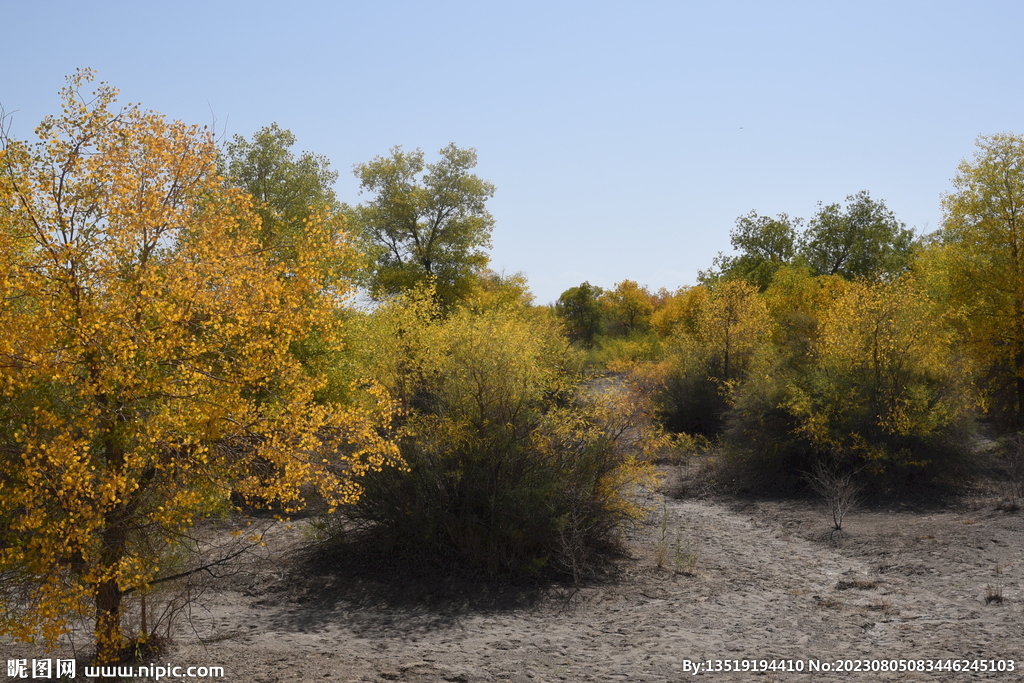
<point>879,382</point>
<point>513,466</point>
<point>688,398</point>
<point>707,359</point>
<point>619,353</point>
<point>836,486</point>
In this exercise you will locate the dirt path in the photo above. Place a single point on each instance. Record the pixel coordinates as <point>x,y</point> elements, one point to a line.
<point>764,582</point>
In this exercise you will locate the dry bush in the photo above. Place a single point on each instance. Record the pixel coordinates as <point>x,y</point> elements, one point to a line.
<point>698,477</point>
<point>836,486</point>
<point>994,592</point>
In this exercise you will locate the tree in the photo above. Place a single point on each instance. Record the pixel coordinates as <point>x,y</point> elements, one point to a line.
<point>888,384</point>
<point>580,309</point>
<point>983,237</point>
<point>864,240</point>
<point>709,354</point>
<point>291,195</point>
<point>732,324</point>
<point>629,308</point>
<point>426,221</point>
<point>765,245</point>
<point>879,383</point>
<point>288,190</point>
<point>146,362</point>
<point>498,290</point>
<point>678,312</point>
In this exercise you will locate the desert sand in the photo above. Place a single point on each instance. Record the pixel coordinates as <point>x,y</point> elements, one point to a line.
<point>711,578</point>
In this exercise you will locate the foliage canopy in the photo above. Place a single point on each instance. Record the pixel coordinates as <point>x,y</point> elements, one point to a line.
<point>426,222</point>
<point>864,239</point>
<point>146,365</point>
<point>983,236</point>
<point>513,467</point>
<point>288,190</point>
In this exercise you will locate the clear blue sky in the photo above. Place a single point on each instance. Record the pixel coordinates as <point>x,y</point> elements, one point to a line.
<point>624,138</point>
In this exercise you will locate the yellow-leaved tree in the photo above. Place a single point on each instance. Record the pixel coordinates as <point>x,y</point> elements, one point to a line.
<point>983,257</point>
<point>866,375</point>
<point>147,364</point>
<point>887,385</point>
<point>712,342</point>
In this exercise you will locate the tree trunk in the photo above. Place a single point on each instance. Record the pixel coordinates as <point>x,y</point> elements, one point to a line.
<point>109,639</point>
<point>108,623</point>
<point>1018,368</point>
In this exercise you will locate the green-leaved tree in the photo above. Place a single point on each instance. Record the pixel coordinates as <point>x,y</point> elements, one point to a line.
<point>581,312</point>
<point>289,190</point>
<point>864,239</point>
<point>765,245</point>
<point>425,222</point>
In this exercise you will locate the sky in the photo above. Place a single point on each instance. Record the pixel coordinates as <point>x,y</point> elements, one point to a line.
<point>624,138</point>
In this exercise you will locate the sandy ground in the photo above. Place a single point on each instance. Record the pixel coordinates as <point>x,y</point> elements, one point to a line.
<point>704,579</point>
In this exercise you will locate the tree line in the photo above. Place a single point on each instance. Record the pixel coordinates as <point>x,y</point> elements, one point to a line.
<point>844,337</point>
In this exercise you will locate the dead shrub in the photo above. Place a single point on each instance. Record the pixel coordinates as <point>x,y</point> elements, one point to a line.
<point>836,486</point>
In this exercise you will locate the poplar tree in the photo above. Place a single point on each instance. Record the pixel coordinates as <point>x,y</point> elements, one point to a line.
<point>146,363</point>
